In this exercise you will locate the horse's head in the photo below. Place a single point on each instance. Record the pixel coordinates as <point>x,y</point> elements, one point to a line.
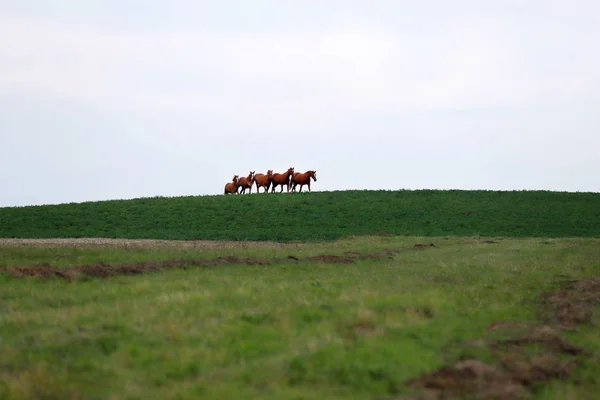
<point>270,173</point>
<point>235,178</point>
<point>251,176</point>
<point>290,171</point>
<point>314,175</point>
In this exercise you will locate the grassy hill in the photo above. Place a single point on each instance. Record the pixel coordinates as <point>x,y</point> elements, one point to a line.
<point>316,216</point>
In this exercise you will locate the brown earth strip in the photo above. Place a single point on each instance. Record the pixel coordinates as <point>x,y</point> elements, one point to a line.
<point>103,270</point>
<point>517,368</point>
<point>422,246</point>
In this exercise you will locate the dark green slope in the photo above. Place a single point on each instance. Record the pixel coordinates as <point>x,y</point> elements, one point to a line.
<point>315,216</point>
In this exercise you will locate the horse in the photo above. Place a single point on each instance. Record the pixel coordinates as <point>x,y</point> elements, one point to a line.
<point>281,179</point>
<point>246,183</point>
<point>231,187</point>
<point>303,179</point>
<point>263,181</point>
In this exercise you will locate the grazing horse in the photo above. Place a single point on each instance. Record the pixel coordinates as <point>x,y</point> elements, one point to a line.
<point>246,183</point>
<point>231,187</point>
<point>281,179</point>
<point>263,180</point>
<point>303,179</point>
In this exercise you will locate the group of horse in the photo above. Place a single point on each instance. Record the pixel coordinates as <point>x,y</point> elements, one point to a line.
<point>270,181</point>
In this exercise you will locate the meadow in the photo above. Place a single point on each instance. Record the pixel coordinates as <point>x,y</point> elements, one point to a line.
<point>369,317</point>
<point>383,295</point>
<point>315,216</point>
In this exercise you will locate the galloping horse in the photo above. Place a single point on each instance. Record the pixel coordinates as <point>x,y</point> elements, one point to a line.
<point>281,179</point>
<point>246,183</point>
<point>231,187</point>
<point>303,179</point>
<point>263,180</point>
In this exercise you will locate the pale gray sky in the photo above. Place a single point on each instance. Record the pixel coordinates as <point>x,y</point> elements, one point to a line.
<point>121,99</point>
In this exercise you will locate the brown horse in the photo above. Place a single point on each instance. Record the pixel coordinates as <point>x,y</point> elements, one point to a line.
<point>246,183</point>
<point>303,179</point>
<point>281,179</point>
<point>263,181</point>
<point>231,187</point>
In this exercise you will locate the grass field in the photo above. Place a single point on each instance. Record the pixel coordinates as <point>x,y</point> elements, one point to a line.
<point>357,318</point>
<point>315,216</point>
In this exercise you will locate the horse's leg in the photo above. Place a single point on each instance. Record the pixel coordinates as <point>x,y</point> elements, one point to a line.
<point>309,185</point>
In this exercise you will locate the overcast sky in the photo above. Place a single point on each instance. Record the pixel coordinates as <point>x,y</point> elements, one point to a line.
<point>123,99</point>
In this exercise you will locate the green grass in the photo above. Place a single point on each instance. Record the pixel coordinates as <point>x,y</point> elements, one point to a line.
<point>280,331</point>
<point>316,216</point>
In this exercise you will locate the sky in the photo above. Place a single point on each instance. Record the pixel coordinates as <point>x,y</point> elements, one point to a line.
<point>125,99</point>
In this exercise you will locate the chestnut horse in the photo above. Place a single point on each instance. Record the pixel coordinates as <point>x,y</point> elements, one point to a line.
<point>303,179</point>
<point>281,179</point>
<point>246,183</point>
<point>263,180</point>
<point>231,187</point>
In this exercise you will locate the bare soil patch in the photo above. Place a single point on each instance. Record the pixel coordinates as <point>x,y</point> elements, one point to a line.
<point>423,246</point>
<point>331,259</point>
<point>104,270</point>
<point>517,369</point>
<point>571,305</point>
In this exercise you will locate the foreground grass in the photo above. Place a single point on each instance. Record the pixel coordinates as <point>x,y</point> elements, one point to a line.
<point>316,216</point>
<point>292,330</point>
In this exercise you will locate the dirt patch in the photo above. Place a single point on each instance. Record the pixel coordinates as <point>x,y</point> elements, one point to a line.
<point>41,271</point>
<point>467,378</point>
<point>375,255</point>
<point>544,335</point>
<point>103,270</point>
<point>573,304</point>
<point>422,246</point>
<point>527,355</point>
